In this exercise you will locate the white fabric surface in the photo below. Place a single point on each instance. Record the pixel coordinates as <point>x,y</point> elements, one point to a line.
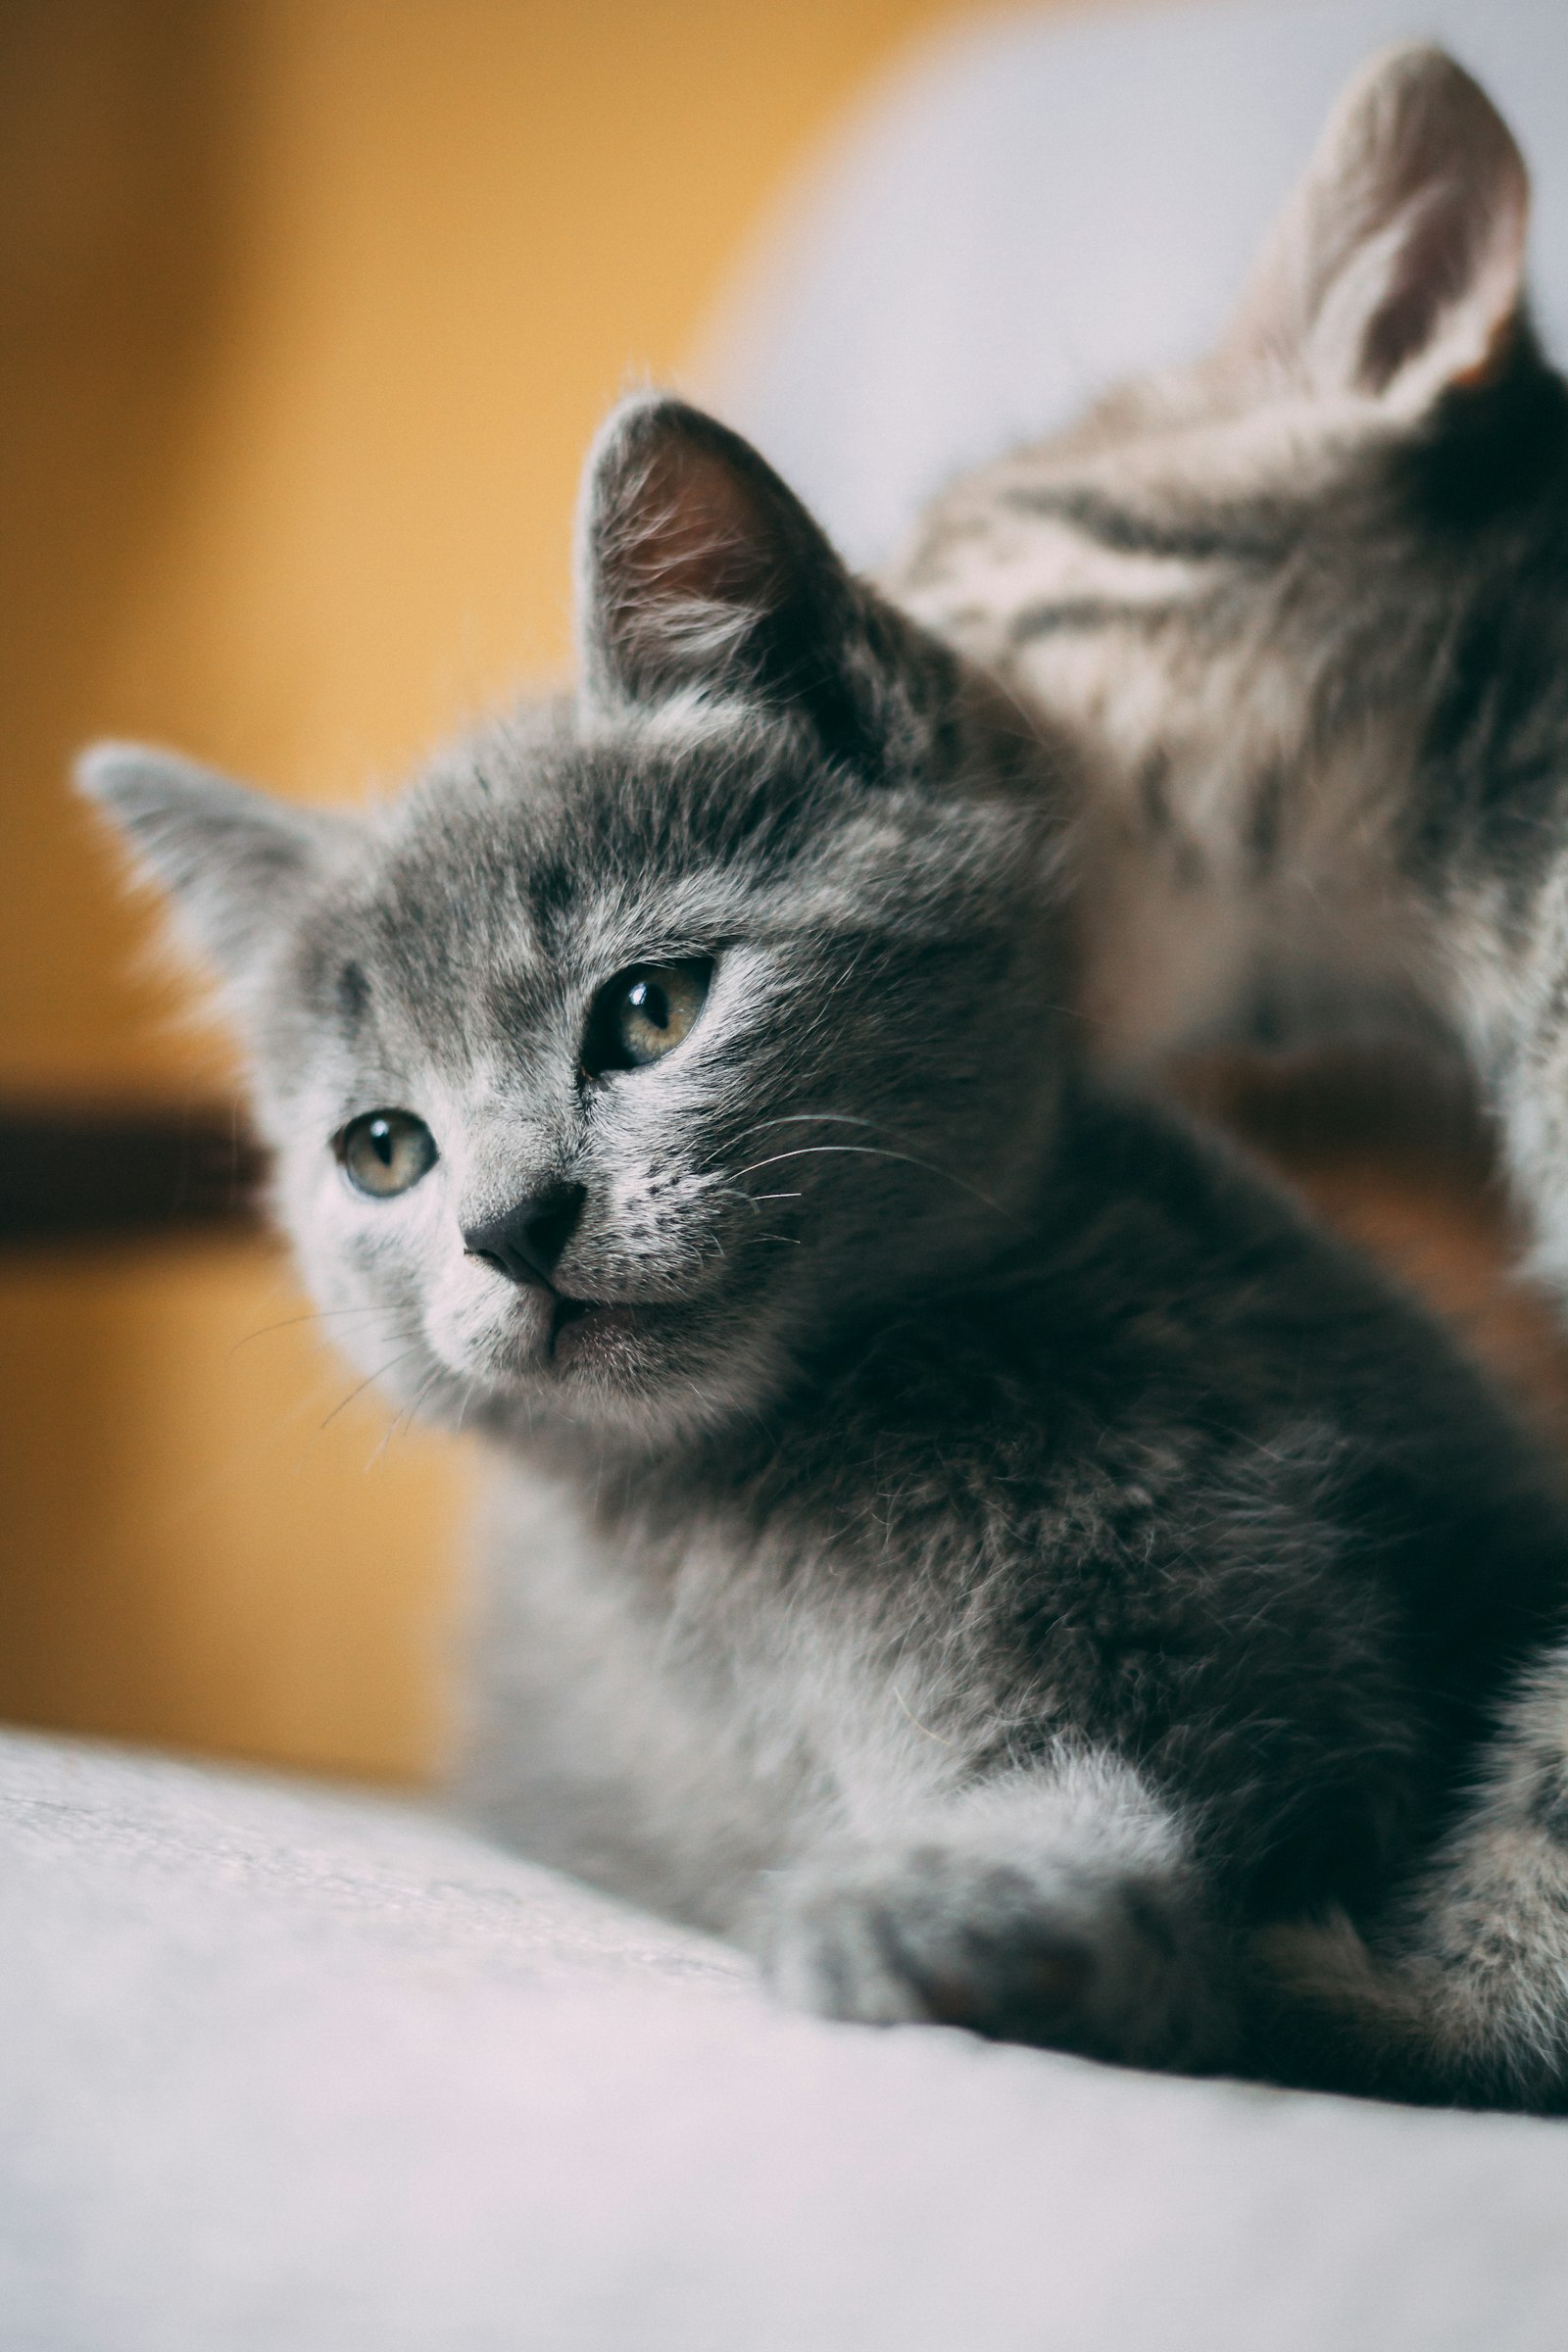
<point>1034,208</point>
<point>285,2070</point>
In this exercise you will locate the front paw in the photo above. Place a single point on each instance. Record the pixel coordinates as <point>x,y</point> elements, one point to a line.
<point>1059,1957</point>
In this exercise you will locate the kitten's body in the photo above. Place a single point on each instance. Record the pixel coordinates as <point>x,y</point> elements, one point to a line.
<point>1158,1485</point>
<point>1001,1559</point>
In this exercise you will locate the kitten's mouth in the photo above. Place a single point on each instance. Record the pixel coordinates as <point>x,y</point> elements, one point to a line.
<point>576,1323</point>
<point>564,1313</point>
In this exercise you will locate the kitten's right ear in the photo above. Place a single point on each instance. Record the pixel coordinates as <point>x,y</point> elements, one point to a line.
<point>232,859</point>
<point>1396,269</point>
<point>698,569</point>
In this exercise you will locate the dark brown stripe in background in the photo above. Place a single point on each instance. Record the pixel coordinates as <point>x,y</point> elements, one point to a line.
<point>110,1172</point>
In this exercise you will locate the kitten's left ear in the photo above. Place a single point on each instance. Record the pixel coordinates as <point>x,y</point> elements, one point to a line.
<point>699,569</point>
<point>1397,269</point>
<point>232,859</point>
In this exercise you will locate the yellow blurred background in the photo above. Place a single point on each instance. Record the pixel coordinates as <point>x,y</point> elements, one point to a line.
<point>308,309</point>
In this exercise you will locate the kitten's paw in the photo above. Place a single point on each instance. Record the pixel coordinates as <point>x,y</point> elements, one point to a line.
<point>1057,1956</point>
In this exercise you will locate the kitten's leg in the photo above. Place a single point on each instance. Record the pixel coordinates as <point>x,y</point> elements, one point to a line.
<point>1463,1995</point>
<point>1060,1905</point>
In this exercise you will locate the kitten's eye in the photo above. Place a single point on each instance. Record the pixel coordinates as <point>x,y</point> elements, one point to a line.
<point>640,1015</point>
<point>385,1151</point>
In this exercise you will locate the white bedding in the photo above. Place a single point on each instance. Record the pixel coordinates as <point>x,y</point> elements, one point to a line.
<point>283,2068</point>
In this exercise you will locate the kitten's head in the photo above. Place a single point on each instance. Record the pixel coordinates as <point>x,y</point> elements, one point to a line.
<point>645,1039</point>
<point>1259,565</point>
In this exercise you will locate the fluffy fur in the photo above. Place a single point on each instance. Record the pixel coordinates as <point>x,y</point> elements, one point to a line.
<point>954,1527</point>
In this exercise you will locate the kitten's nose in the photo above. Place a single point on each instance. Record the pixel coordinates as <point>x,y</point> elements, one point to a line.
<point>526,1242</point>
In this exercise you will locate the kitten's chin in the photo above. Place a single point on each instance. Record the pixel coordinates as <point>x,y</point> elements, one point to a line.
<point>643,1373</point>
<point>587,1331</point>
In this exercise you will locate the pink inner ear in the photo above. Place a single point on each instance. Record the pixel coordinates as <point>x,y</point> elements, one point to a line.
<point>1403,242</point>
<point>1448,257</point>
<point>1440,160</point>
<point>702,571</point>
<point>694,535</point>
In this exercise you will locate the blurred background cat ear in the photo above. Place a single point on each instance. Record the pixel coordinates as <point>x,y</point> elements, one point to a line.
<point>700,571</point>
<point>228,857</point>
<point>1396,269</point>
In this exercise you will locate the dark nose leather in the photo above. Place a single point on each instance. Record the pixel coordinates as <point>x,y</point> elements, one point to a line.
<point>526,1242</point>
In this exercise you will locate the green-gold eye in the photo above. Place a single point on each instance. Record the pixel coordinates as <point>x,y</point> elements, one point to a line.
<point>643,1015</point>
<point>386,1152</point>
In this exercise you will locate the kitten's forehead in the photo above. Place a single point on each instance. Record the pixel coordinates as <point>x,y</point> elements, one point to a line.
<point>468,911</point>
<point>534,869</point>
<point>517,876</point>
<point>1179,439</point>
<point>1155,535</point>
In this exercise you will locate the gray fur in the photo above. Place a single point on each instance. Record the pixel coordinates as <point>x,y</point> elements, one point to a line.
<point>1465,1984</point>
<point>954,1527</point>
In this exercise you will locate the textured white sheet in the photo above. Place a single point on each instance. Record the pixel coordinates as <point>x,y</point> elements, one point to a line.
<point>289,2069</point>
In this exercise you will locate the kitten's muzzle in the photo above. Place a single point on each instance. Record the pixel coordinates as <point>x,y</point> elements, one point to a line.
<point>526,1242</point>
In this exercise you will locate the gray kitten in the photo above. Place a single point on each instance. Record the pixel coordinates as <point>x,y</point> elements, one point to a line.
<point>1299,616</point>
<point>955,1528</point>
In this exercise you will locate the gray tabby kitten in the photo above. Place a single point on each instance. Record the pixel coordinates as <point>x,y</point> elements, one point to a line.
<point>955,1528</point>
<point>1297,617</point>
<point>1302,608</point>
